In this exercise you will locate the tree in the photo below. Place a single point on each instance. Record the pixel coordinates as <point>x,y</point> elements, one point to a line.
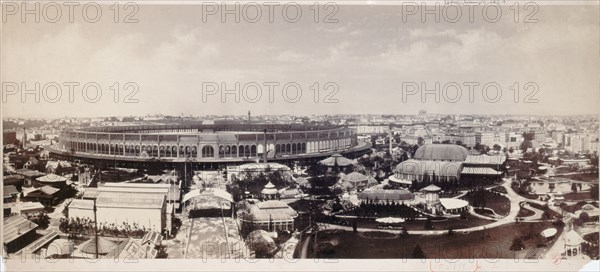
<point>517,244</point>
<point>574,187</point>
<point>497,147</point>
<point>584,217</point>
<point>594,191</point>
<point>418,253</point>
<point>525,145</point>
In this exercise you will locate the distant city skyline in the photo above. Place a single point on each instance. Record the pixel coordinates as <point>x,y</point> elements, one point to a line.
<point>369,54</point>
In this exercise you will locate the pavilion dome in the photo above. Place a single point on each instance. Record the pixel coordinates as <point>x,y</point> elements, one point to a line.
<point>441,152</point>
<point>572,238</point>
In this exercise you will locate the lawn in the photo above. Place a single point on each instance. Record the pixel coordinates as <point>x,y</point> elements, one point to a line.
<point>551,214</point>
<point>493,243</point>
<point>523,192</point>
<point>523,212</point>
<point>495,201</point>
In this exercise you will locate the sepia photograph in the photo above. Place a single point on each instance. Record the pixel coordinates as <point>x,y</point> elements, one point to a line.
<point>455,135</point>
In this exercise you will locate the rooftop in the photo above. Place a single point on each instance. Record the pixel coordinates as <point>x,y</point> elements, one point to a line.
<point>15,227</point>
<point>82,204</point>
<point>485,159</point>
<point>129,200</point>
<point>445,152</point>
<point>9,190</point>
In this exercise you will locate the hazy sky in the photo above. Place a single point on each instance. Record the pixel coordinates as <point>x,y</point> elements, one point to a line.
<point>369,54</point>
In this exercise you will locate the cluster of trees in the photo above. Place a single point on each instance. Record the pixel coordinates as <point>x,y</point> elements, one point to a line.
<point>41,219</point>
<point>477,197</point>
<point>85,226</point>
<point>371,208</point>
<point>254,183</point>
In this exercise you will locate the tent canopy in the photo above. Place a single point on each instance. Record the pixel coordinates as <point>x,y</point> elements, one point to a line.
<point>336,159</point>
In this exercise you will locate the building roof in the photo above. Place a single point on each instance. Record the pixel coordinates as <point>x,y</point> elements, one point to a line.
<point>443,152</point>
<point>15,227</point>
<point>33,160</point>
<point>104,246</point>
<point>485,159</point>
<point>431,188</point>
<point>274,210</point>
<point>129,200</point>
<point>391,195</point>
<point>140,190</point>
<point>29,206</point>
<point>439,168</point>
<point>52,178</point>
<point>90,193</point>
<point>479,171</point>
<point>170,190</point>
<point>133,250</point>
<point>394,179</point>
<point>263,166</point>
<point>355,178</point>
<point>572,238</point>
<point>337,159</point>
<point>12,179</point>
<point>49,190</point>
<point>453,203</point>
<point>152,237</point>
<point>45,190</point>
<point>134,185</point>
<point>272,204</point>
<point>41,242</point>
<point>84,204</point>
<point>29,173</point>
<point>9,191</point>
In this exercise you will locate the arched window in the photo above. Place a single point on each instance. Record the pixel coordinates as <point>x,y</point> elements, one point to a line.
<point>294,148</point>
<point>241,151</point>
<point>303,148</point>
<point>208,151</point>
<point>253,150</point>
